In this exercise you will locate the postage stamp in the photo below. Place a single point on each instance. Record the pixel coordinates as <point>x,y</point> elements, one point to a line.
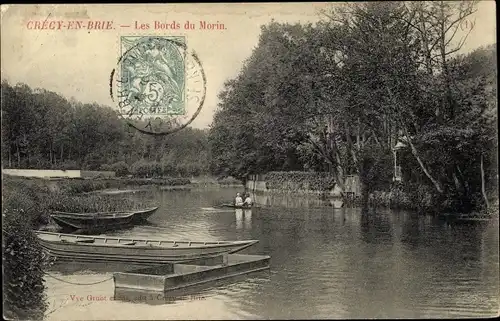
<point>158,85</point>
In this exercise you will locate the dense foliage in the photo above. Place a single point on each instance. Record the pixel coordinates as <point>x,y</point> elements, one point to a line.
<point>43,130</point>
<point>22,262</point>
<point>22,256</point>
<point>339,95</point>
<point>295,181</point>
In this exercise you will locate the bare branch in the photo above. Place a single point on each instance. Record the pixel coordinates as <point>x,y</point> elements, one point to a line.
<point>452,36</point>
<point>458,20</point>
<point>461,43</point>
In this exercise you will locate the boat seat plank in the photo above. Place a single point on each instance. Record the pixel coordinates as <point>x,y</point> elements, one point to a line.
<point>128,243</point>
<point>85,241</point>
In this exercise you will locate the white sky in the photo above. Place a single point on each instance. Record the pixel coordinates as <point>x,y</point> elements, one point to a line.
<point>77,63</point>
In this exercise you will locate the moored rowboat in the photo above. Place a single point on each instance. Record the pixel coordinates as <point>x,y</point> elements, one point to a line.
<point>234,206</point>
<point>100,219</point>
<point>132,250</point>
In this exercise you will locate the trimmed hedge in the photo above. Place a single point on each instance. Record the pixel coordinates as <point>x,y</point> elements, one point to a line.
<point>299,181</point>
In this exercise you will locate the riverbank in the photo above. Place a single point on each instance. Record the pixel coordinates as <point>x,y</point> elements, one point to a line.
<point>38,196</point>
<point>35,198</point>
<point>415,197</point>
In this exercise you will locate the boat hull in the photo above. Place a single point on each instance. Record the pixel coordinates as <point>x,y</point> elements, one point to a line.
<point>144,253</point>
<point>77,221</point>
<point>235,206</point>
<point>143,216</point>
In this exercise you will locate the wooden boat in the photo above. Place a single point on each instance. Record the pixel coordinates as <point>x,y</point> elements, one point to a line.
<point>132,250</point>
<point>229,205</point>
<point>473,219</point>
<point>100,219</point>
<point>466,218</point>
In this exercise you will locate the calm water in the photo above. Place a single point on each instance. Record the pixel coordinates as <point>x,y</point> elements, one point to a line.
<point>325,263</point>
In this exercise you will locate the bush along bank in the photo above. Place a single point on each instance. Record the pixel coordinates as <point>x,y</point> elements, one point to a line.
<point>299,182</point>
<point>420,198</point>
<point>23,261</point>
<point>75,186</point>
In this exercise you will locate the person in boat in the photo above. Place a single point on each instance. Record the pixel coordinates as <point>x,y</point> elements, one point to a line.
<point>238,201</point>
<point>248,201</point>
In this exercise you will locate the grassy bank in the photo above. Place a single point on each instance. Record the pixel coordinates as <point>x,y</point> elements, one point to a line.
<point>36,198</point>
<point>75,186</point>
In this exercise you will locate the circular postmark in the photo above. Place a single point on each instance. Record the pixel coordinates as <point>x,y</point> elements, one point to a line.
<point>158,86</point>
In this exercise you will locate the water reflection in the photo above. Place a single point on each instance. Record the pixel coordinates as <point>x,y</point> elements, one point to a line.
<point>290,201</point>
<point>239,218</point>
<point>248,218</point>
<point>325,263</point>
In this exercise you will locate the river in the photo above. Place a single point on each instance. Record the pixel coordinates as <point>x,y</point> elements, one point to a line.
<point>325,263</point>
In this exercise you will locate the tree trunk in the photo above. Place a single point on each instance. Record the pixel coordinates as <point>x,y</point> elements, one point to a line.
<point>18,156</point>
<point>458,186</point>
<point>446,72</point>
<point>365,195</point>
<point>422,165</point>
<point>483,187</point>
<point>339,172</point>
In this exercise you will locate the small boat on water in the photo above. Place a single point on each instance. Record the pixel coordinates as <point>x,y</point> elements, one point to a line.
<point>229,205</point>
<point>467,218</point>
<point>101,219</point>
<point>132,250</point>
<point>473,219</point>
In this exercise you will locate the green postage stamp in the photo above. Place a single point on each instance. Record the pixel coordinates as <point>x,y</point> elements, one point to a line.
<point>152,76</point>
<point>159,85</point>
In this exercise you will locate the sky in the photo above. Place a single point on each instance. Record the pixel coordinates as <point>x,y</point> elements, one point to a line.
<point>77,62</point>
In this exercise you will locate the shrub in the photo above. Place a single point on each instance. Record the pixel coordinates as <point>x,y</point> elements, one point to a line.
<point>23,260</point>
<point>94,203</point>
<point>146,169</point>
<point>300,180</point>
<point>68,165</point>
<point>28,195</point>
<point>168,169</point>
<point>229,180</point>
<point>120,168</point>
<point>77,186</point>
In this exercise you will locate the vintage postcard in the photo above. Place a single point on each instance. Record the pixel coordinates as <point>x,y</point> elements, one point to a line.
<point>315,160</point>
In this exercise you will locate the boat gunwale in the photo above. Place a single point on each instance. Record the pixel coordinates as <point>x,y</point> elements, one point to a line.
<point>228,205</point>
<point>77,226</point>
<point>94,217</point>
<point>148,257</point>
<point>148,243</point>
<point>149,209</point>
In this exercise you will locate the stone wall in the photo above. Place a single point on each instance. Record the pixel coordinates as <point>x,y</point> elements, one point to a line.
<point>54,173</point>
<point>42,173</point>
